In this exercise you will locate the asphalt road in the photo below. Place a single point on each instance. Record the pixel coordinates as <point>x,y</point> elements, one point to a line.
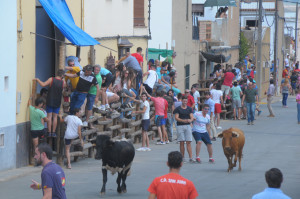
<point>270,142</point>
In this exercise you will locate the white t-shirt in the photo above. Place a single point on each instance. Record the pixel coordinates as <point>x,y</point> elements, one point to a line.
<point>152,78</point>
<point>199,125</point>
<point>73,122</point>
<point>146,115</point>
<point>196,95</point>
<point>287,62</point>
<point>216,95</point>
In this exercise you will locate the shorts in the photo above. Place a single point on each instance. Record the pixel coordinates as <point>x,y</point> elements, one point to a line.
<point>68,141</point>
<point>236,103</point>
<point>38,133</point>
<point>145,125</point>
<point>201,137</point>
<point>294,86</point>
<point>164,121</point>
<point>159,120</point>
<point>90,101</point>
<point>184,133</point>
<point>50,109</point>
<point>109,80</point>
<point>218,108</point>
<point>148,89</point>
<point>109,94</point>
<point>225,89</point>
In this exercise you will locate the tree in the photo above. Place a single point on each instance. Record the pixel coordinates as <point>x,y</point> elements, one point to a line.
<point>244,47</point>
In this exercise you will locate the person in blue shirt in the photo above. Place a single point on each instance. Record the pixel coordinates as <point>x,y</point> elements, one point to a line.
<point>274,179</point>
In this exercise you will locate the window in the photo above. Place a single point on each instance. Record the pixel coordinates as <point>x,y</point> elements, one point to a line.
<point>6,83</point>
<point>138,13</point>
<point>1,140</point>
<point>187,76</point>
<point>187,10</point>
<point>252,23</point>
<point>198,10</point>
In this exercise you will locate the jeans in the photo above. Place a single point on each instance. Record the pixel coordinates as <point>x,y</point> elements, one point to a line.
<point>169,125</point>
<point>176,90</point>
<point>250,111</point>
<point>269,100</point>
<point>127,92</point>
<point>77,100</point>
<point>284,98</point>
<point>139,79</point>
<point>298,111</point>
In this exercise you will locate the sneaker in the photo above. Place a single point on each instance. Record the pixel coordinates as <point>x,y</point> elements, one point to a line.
<point>147,149</point>
<point>160,143</point>
<point>49,134</point>
<point>252,123</point>
<point>85,124</point>
<point>101,108</point>
<point>213,139</point>
<point>53,135</point>
<point>141,149</point>
<point>248,123</point>
<point>192,160</point>
<point>219,128</point>
<point>198,160</point>
<point>259,112</point>
<point>167,142</point>
<point>107,106</point>
<point>211,160</point>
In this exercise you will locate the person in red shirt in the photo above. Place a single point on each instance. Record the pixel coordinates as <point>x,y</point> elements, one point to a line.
<point>172,185</point>
<point>138,56</point>
<point>285,72</point>
<point>227,84</point>
<point>191,100</point>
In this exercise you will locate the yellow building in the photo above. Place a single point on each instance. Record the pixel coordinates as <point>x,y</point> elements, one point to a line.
<point>109,22</point>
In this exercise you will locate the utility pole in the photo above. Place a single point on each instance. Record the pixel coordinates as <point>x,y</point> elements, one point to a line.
<point>275,77</point>
<point>296,32</point>
<point>259,50</point>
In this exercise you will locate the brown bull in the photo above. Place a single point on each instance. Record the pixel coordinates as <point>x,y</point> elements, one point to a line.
<point>233,142</point>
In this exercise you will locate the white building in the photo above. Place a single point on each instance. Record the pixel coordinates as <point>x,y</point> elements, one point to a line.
<point>8,50</point>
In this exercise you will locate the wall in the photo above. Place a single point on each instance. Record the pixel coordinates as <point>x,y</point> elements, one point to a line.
<point>161,24</point>
<point>25,56</point>
<point>187,49</point>
<point>8,48</point>
<point>108,18</point>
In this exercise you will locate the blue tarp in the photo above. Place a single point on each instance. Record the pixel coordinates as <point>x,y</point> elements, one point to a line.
<point>61,16</point>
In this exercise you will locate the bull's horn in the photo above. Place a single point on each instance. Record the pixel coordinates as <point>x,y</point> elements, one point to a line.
<point>236,133</point>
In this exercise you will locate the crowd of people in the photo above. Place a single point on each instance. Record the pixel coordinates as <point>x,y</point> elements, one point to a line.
<point>97,87</point>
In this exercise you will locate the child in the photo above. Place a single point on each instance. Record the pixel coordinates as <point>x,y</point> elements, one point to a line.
<point>145,123</point>
<point>37,119</point>
<point>73,131</point>
<point>298,105</point>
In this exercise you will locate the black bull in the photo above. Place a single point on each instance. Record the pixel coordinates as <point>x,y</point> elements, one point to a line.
<point>117,156</point>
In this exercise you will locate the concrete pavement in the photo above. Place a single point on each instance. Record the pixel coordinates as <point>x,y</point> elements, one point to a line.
<point>270,142</point>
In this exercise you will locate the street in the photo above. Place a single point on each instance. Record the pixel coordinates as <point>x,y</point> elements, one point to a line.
<point>270,142</point>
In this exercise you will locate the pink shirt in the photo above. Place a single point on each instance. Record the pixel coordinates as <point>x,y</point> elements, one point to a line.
<point>298,98</point>
<point>159,105</point>
<point>228,77</point>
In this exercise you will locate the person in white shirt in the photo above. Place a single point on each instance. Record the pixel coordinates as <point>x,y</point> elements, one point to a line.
<point>73,131</point>
<point>151,79</point>
<point>145,122</point>
<point>217,97</point>
<point>201,132</point>
<point>287,60</point>
<point>196,96</point>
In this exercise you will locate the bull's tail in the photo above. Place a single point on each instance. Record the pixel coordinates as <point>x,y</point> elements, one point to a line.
<point>128,167</point>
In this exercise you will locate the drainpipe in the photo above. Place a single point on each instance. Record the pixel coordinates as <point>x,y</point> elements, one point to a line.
<point>149,12</point>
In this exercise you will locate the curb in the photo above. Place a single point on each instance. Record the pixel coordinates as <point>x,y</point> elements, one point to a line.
<point>8,177</point>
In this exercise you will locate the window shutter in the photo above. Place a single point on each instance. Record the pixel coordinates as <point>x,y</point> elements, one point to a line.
<point>139,18</point>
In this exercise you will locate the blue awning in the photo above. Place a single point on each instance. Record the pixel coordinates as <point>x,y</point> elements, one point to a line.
<point>61,16</point>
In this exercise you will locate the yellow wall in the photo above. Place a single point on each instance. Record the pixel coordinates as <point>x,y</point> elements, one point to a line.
<point>26,55</point>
